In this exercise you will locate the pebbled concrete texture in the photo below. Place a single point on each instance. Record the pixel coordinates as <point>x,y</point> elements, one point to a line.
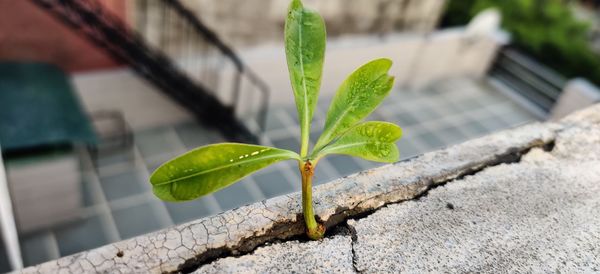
<point>499,203</point>
<point>330,255</point>
<point>537,215</point>
<point>540,215</point>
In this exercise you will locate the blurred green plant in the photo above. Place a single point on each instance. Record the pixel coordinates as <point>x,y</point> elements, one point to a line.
<point>207,169</point>
<point>546,29</point>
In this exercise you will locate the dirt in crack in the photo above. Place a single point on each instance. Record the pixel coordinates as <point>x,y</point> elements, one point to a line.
<point>354,238</point>
<point>280,232</point>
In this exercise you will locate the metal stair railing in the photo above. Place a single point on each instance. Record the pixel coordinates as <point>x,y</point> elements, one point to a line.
<point>198,51</point>
<point>535,82</point>
<point>195,90</point>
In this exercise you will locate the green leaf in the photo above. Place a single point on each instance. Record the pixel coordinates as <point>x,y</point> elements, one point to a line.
<point>305,48</point>
<point>356,98</point>
<point>373,141</point>
<point>209,168</point>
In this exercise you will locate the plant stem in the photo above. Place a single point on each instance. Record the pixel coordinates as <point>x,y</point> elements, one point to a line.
<point>304,142</point>
<point>314,230</point>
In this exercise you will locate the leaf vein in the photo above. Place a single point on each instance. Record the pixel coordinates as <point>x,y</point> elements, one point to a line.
<point>353,145</point>
<point>248,161</point>
<point>305,90</point>
<point>344,113</point>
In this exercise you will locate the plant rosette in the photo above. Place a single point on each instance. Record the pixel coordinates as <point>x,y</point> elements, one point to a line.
<point>210,168</point>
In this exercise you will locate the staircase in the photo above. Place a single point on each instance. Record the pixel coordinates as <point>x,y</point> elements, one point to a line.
<point>192,70</point>
<point>532,81</point>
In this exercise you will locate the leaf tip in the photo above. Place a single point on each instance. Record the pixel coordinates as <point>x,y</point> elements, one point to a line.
<point>380,66</point>
<point>158,175</point>
<point>392,80</point>
<point>384,62</point>
<point>154,177</point>
<point>296,4</point>
<point>387,60</point>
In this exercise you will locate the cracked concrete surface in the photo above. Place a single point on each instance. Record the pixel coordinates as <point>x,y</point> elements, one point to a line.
<point>539,215</point>
<point>330,255</point>
<point>494,211</point>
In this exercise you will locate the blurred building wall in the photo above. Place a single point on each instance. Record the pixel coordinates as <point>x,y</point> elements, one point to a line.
<point>419,60</point>
<point>27,33</point>
<point>245,23</point>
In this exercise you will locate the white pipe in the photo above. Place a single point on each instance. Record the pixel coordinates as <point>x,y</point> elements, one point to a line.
<point>7,221</point>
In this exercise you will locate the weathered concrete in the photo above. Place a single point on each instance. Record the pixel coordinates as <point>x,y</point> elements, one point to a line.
<point>528,213</point>
<point>538,215</point>
<point>331,255</point>
<point>578,93</point>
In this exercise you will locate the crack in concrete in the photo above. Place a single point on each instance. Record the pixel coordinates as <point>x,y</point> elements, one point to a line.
<point>337,223</point>
<point>280,232</point>
<point>354,238</point>
<point>241,231</point>
<point>512,156</point>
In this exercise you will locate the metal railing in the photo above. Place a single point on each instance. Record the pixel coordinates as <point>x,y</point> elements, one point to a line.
<point>535,82</point>
<point>193,86</point>
<point>200,53</point>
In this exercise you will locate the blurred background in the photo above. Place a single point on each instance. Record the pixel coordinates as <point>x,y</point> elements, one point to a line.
<point>96,94</point>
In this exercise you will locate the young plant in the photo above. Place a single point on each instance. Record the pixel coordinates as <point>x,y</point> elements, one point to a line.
<point>207,169</point>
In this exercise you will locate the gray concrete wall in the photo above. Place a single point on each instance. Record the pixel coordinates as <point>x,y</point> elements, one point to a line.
<point>243,23</point>
<point>521,200</point>
<point>124,91</point>
<point>577,94</point>
<point>420,56</point>
<point>419,60</point>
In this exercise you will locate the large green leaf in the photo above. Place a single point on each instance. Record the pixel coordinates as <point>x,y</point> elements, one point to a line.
<point>209,168</point>
<point>373,141</point>
<point>305,48</point>
<point>356,98</point>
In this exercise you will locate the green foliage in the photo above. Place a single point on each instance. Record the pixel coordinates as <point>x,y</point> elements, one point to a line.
<point>356,98</point>
<point>305,49</point>
<point>546,29</point>
<point>209,168</point>
<point>458,12</point>
<point>372,140</point>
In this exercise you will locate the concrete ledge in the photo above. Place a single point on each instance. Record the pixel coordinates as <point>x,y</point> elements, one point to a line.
<point>473,175</point>
<point>331,255</point>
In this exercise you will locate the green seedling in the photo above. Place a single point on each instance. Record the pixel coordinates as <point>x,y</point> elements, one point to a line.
<point>207,169</point>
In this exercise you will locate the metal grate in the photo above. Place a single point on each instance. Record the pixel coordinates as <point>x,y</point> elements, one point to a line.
<point>530,79</point>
